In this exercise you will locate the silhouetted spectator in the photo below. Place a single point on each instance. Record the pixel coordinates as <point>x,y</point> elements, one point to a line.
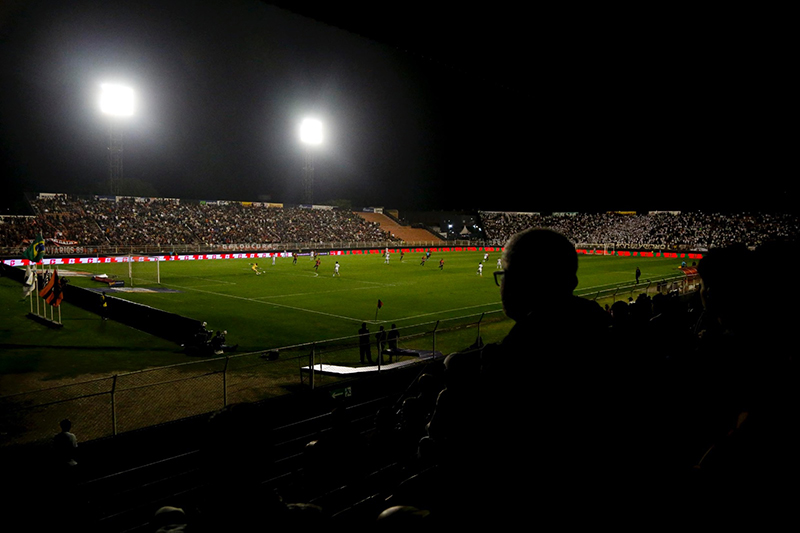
<point>749,391</point>
<point>65,445</point>
<point>170,519</point>
<point>380,343</point>
<point>364,344</point>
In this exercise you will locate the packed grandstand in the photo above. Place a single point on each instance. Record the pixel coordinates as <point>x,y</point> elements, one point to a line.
<point>65,220</point>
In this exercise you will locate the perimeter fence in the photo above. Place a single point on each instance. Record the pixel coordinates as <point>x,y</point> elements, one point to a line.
<point>129,401</point>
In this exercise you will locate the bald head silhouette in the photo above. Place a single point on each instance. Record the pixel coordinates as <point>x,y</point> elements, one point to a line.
<point>540,265</point>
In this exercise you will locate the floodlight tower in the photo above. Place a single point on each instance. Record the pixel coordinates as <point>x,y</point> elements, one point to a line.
<point>310,136</point>
<point>116,101</point>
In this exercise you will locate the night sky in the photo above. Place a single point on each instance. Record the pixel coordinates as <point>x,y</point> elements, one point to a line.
<point>545,110</point>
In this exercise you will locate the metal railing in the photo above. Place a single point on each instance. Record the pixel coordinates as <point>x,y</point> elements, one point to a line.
<point>678,284</point>
<point>129,401</point>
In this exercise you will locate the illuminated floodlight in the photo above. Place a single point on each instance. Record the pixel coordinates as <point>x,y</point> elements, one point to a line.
<point>116,100</point>
<point>311,131</point>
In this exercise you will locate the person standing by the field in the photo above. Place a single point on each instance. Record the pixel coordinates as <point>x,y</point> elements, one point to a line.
<point>392,338</point>
<point>364,344</point>
<point>638,275</point>
<point>380,343</point>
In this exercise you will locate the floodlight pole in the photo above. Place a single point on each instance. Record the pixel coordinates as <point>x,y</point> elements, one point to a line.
<point>114,156</point>
<point>116,102</point>
<point>310,135</point>
<point>308,177</point>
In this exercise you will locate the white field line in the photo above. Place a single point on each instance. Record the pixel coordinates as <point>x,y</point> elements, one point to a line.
<point>347,318</point>
<point>273,304</point>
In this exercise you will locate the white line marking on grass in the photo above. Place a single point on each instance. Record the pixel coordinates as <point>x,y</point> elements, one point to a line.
<point>218,281</point>
<point>440,312</point>
<point>296,294</point>
<point>351,319</point>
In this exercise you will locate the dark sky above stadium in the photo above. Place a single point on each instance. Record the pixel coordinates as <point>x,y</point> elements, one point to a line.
<point>424,108</point>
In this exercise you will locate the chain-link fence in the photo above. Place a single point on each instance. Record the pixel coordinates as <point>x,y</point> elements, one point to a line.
<point>134,400</point>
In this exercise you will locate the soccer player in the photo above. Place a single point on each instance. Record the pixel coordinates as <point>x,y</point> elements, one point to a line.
<point>441,264</point>
<point>336,269</point>
<point>480,269</point>
<point>316,264</point>
<point>254,268</point>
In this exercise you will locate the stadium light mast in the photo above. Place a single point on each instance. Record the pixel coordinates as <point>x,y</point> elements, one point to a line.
<point>116,101</point>
<point>310,136</point>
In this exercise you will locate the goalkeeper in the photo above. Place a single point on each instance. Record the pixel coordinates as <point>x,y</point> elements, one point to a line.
<point>255,268</point>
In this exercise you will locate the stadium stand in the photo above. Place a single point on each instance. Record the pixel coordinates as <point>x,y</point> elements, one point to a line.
<point>692,230</point>
<point>93,221</point>
<point>398,231</point>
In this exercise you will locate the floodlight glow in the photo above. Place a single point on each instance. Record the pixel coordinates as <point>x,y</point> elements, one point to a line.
<point>311,131</point>
<point>116,100</point>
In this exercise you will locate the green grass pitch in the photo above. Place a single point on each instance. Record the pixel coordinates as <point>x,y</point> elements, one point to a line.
<point>288,304</point>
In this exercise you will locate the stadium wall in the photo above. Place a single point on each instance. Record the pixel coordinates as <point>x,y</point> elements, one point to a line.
<point>163,324</point>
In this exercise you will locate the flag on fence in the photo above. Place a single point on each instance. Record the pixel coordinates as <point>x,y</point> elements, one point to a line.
<point>48,287</point>
<point>35,251</point>
<point>57,294</point>
<point>30,282</point>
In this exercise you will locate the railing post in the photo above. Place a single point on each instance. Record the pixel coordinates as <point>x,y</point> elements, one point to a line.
<point>311,365</point>
<point>434,335</point>
<point>225,382</point>
<point>113,406</point>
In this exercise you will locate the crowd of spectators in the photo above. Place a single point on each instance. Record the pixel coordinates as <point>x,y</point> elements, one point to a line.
<point>92,222</point>
<point>99,222</point>
<point>689,230</point>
